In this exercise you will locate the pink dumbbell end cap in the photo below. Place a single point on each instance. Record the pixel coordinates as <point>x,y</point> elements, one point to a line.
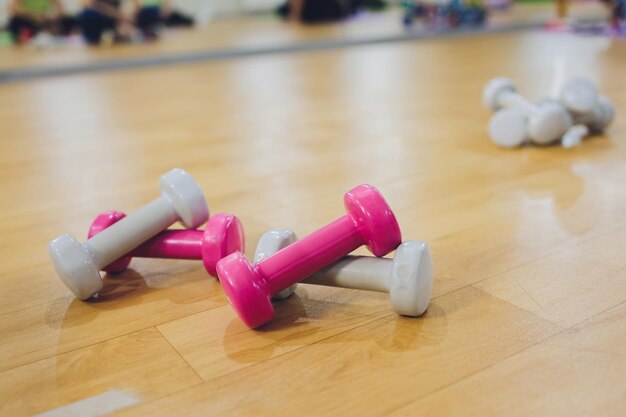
<point>376,221</point>
<point>244,289</point>
<point>222,236</point>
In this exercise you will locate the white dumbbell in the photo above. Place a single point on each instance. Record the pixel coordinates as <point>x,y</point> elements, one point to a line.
<point>408,278</point>
<point>511,120</point>
<point>508,128</point>
<point>542,124</point>
<point>575,134</point>
<point>78,264</point>
<point>599,117</point>
<point>578,95</point>
<point>581,98</point>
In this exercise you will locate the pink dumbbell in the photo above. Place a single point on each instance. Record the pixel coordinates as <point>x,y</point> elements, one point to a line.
<point>222,236</point>
<point>249,288</point>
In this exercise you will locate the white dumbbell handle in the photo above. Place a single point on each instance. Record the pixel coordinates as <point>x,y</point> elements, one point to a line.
<point>512,99</point>
<point>122,237</point>
<point>356,272</point>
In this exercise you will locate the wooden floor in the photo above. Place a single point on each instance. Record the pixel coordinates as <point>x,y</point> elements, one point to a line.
<point>528,311</point>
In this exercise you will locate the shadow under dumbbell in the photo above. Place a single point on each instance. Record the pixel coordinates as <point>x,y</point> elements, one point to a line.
<point>281,331</point>
<point>121,285</point>
<point>298,310</point>
<point>130,285</point>
<point>410,333</point>
<point>335,310</point>
<point>300,321</point>
<point>76,313</point>
<point>287,314</point>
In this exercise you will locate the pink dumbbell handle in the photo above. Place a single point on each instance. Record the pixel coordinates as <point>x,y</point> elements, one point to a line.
<point>310,254</point>
<point>221,236</point>
<point>172,244</point>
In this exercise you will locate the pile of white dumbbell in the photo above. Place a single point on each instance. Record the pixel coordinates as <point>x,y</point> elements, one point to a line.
<point>578,111</point>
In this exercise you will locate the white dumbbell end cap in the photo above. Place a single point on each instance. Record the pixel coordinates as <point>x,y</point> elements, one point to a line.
<point>75,266</point>
<point>412,278</point>
<point>605,111</point>
<point>493,89</point>
<point>271,242</point>
<point>507,128</point>
<point>549,124</point>
<point>579,95</point>
<point>184,193</point>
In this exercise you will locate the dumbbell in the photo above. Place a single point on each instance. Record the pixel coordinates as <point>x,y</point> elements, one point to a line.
<point>542,124</point>
<point>77,264</point>
<point>581,98</point>
<point>512,127</point>
<point>578,95</point>
<point>599,117</point>
<point>408,277</point>
<point>508,128</point>
<point>222,235</point>
<point>369,220</point>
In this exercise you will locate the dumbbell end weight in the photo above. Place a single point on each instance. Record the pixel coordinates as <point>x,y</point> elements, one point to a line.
<point>579,95</point>
<point>376,222</point>
<point>222,236</point>
<point>411,281</point>
<point>549,123</point>
<point>507,128</point>
<point>604,113</point>
<point>245,289</point>
<point>75,266</point>
<point>493,90</point>
<point>186,196</point>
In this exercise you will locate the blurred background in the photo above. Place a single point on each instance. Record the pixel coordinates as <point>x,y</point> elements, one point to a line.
<point>68,33</point>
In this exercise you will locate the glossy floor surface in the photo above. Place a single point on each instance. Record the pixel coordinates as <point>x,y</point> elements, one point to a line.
<point>528,313</point>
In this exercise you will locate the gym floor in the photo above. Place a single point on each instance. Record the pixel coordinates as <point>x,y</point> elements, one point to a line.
<point>528,308</point>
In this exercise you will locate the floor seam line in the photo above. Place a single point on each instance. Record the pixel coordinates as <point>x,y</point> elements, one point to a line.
<point>179,354</point>
<point>100,341</point>
<point>543,340</point>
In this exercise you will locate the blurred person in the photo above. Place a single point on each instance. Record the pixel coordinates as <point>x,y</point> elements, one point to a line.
<point>29,18</point>
<point>150,15</point>
<point>617,10</point>
<point>316,11</point>
<point>100,16</point>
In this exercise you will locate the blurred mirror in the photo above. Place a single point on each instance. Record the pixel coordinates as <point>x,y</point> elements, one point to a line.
<point>54,37</point>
